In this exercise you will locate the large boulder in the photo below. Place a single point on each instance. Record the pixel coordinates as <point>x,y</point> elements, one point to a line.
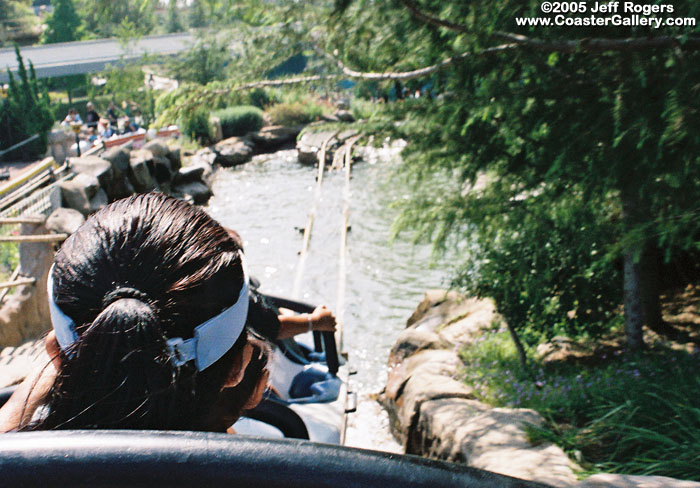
<point>493,439</point>
<point>434,413</point>
<point>273,136</point>
<point>194,192</point>
<point>174,157</point>
<point>631,481</point>
<point>206,155</point>
<point>157,147</point>
<point>24,315</point>
<point>141,170</point>
<point>64,221</point>
<point>78,192</point>
<point>233,151</point>
<point>119,159</point>
<point>95,166</point>
<point>310,144</point>
<point>344,116</point>
<point>189,174</point>
<point>162,170</point>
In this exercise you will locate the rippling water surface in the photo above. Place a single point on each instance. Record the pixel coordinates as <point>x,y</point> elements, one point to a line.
<point>268,201</point>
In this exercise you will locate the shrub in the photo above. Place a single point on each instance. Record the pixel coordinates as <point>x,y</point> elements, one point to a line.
<point>626,414</point>
<point>259,98</point>
<point>195,125</point>
<point>238,121</point>
<point>294,113</point>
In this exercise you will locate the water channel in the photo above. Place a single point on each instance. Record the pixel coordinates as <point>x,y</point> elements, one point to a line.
<point>268,201</point>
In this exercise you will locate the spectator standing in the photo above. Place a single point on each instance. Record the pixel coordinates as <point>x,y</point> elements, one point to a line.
<point>92,118</point>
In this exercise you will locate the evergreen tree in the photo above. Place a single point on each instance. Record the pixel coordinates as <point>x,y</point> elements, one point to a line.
<point>24,113</point>
<point>64,24</point>
<point>198,17</point>
<point>103,18</point>
<point>173,23</point>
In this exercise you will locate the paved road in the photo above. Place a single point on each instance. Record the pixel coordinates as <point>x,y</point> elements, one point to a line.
<point>72,58</point>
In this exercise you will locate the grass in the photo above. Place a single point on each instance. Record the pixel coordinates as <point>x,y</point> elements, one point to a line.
<point>631,414</point>
<point>9,253</point>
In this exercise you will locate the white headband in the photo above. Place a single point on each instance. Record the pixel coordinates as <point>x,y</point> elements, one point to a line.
<point>211,340</point>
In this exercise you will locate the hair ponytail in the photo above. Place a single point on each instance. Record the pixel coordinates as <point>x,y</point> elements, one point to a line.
<point>118,374</point>
<point>140,271</point>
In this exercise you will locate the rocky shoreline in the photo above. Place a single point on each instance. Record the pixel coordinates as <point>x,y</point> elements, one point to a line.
<point>434,414</point>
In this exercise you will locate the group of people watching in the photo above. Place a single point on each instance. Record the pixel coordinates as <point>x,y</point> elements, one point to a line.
<point>154,326</point>
<point>113,123</point>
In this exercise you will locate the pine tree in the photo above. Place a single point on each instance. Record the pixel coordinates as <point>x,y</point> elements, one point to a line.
<point>64,25</point>
<point>198,17</point>
<point>24,113</point>
<point>173,24</point>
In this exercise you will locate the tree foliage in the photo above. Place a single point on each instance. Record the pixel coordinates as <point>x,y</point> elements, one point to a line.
<point>24,113</point>
<point>64,24</point>
<point>566,124</point>
<point>103,18</point>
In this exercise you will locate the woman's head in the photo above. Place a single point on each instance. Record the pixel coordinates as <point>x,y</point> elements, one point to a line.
<point>133,282</point>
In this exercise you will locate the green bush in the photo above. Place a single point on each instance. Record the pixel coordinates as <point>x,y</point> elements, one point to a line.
<point>294,113</point>
<point>549,264</point>
<point>258,98</point>
<point>195,125</point>
<point>238,121</point>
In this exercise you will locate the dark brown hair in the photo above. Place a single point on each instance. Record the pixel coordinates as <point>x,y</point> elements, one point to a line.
<point>138,272</point>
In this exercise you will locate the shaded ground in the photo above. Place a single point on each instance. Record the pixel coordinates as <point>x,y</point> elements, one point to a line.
<point>681,310</point>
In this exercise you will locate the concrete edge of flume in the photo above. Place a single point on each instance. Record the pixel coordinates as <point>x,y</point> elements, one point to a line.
<point>434,414</point>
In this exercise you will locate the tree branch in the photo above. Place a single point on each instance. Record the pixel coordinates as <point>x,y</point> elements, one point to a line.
<point>429,19</point>
<point>567,46</point>
<point>601,44</point>
<point>417,73</point>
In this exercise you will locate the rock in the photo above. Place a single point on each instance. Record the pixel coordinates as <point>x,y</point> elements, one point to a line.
<point>493,439</point>
<point>141,167</point>
<point>64,221</point>
<point>216,132</point>
<point>121,188</point>
<point>233,151</point>
<point>411,341</point>
<point>78,192</point>
<point>310,144</point>
<point>344,116</point>
<point>24,315</point>
<point>409,384</point>
<point>431,299</point>
<point>205,155</point>
<point>95,166</point>
<point>434,414</point>
<point>208,174</point>
<point>119,159</point>
<point>99,201</point>
<point>157,148</point>
<point>630,481</point>
<point>189,174</point>
<point>476,315</point>
<point>558,349</point>
<point>342,104</point>
<point>329,118</point>
<point>272,136</point>
<point>60,136</point>
<point>59,142</point>
<point>174,158</point>
<point>195,192</point>
<point>421,388</point>
<point>162,170</point>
